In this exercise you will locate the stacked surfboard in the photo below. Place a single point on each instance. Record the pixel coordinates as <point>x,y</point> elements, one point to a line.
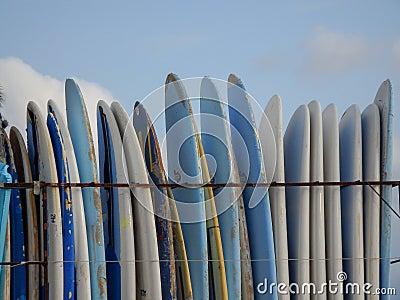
<point>205,223</point>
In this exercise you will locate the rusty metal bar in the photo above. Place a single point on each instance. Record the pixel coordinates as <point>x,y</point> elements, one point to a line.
<point>28,185</point>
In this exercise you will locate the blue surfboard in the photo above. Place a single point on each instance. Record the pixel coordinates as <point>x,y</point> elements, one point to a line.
<point>29,212</point>
<point>109,203</point>
<point>82,140</point>
<point>217,143</point>
<point>66,205</point>
<point>145,132</point>
<point>185,168</point>
<point>384,101</point>
<point>18,273</point>
<point>117,208</point>
<point>155,167</point>
<point>247,148</point>
<point>32,147</point>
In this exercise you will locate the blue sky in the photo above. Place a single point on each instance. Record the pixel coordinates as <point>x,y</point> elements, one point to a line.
<point>331,51</point>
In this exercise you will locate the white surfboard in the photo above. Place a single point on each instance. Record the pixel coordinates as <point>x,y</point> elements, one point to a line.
<point>352,196</point>
<point>81,244</point>
<point>333,217</point>
<point>297,169</point>
<point>48,173</point>
<point>371,141</point>
<point>317,217</point>
<point>124,244</point>
<point>273,112</point>
<point>384,100</point>
<point>268,141</point>
<point>148,284</point>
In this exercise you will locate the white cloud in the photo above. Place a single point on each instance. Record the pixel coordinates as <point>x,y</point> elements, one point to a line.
<point>329,51</point>
<point>396,52</point>
<point>21,83</point>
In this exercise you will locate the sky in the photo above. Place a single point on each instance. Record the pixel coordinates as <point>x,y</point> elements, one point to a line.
<point>331,51</point>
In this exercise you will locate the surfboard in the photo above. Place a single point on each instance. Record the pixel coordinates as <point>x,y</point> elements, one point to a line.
<point>148,269</point>
<point>384,101</point>
<point>17,236</point>
<point>317,207</point>
<point>184,167</point>
<point>217,146</point>
<point>142,125</point>
<point>246,145</point>
<point>44,164</point>
<point>6,276</point>
<point>333,223</point>
<point>116,207</point>
<point>297,169</point>
<point>216,267</point>
<point>67,217</point>
<point>371,133</point>
<point>247,287</point>
<point>82,141</point>
<point>273,113</point>
<point>82,270</point>
<point>217,280</point>
<point>5,196</point>
<point>29,211</point>
<point>351,196</point>
<point>151,150</point>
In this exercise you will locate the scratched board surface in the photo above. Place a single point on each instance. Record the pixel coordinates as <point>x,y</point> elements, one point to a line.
<point>82,140</point>
<point>66,206</point>
<point>141,121</point>
<point>256,200</point>
<point>216,142</point>
<point>51,239</point>
<point>144,131</point>
<point>82,270</point>
<point>182,169</point>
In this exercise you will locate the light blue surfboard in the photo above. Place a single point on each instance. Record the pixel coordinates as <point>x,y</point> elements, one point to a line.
<point>384,101</point>
<point>5,195</point>
<point>66,205</point>
<point>184,167</point>
<point>82,140</point>
<point>247,148</point>
<point>217,144</point>
<point>18,273</point>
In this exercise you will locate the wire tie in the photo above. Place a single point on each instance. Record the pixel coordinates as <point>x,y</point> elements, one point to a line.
<point>36,187</point>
